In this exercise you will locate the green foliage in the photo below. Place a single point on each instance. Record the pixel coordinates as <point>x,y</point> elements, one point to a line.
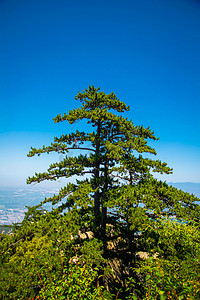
<point>111,210</point>
<point>76,282</point>
<point>172,268</point>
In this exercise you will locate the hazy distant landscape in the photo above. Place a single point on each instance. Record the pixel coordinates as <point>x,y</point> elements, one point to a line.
<point>13,201</point>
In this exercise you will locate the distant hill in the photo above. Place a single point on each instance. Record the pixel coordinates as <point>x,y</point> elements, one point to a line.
<point>189,187</point>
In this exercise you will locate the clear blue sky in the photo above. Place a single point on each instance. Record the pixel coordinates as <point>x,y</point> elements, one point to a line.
<point>147,52</point>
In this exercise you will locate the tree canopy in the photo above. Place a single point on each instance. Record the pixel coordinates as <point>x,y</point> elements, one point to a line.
<point>111,210</point>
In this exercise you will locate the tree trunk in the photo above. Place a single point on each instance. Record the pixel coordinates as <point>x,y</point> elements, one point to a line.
<point>96,185</point>
<point>104,208</point>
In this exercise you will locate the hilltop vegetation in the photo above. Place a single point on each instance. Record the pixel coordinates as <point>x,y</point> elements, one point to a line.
<point>116,231</point>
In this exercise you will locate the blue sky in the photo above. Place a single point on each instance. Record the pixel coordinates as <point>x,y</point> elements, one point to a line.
<point>147,52</point>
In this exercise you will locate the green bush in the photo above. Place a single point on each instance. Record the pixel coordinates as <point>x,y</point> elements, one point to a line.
<point>77,282</point>
<point>172,270</point>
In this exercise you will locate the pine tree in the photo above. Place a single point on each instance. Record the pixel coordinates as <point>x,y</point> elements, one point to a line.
<point>115,195</point>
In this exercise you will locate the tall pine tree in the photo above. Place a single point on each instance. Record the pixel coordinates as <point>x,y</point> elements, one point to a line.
<point>115,195</point>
